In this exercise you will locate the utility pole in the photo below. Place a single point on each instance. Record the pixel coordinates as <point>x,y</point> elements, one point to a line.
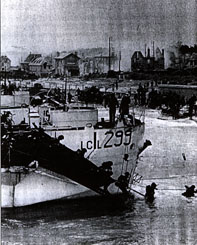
<point>109,54</point>
<point>65,87</point>
<point>5,77</point>
<point>119,59</point>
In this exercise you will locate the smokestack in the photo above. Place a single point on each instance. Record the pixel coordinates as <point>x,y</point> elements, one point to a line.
<point>163,53</point>
<point>148,53</point>
<point>145,49</point>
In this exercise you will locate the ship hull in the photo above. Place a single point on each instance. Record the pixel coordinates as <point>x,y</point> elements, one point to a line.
<point>105,144</point>
<point>26,187</point>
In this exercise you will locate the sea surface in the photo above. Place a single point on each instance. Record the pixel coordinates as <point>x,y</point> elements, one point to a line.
<point>171,162</point>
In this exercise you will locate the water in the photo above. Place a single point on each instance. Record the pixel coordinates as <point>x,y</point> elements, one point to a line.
<point>170,219</point>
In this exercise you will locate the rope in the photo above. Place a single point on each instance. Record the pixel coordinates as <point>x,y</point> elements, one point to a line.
<point>127,161</point>
<point>31,155</point>
<point>5,156</point>
<point>169,189</point>
<point>133,170</point>
<point>137,192</point>
<point>122,166</point>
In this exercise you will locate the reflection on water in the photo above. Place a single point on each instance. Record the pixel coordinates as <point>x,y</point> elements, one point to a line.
<point>171,219</point>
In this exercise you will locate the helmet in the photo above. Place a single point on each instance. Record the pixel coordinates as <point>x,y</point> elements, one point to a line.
<point>153,185</point>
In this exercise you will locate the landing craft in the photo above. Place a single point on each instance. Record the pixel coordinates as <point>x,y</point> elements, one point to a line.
<point>62,172</point>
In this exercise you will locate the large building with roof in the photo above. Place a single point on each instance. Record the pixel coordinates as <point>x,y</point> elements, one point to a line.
<point>40,67</point>
<point>37,65</point>
<point>67,64</point>
<point>30,58</point>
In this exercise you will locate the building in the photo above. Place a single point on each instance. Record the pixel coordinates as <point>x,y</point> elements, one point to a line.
<point>103,63</point>
<point>139,62</point>
<point>159,59</point>
<point>192,61</point>
<point>87,66</point>
<point>100,64</point>
<point>40,67</point>
<point>30,58</point>
<point>67,64</point>
<point>5,64</point>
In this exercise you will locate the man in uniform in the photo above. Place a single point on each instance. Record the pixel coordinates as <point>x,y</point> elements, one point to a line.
<point>123,182</point>
<point>113,103</point>
<point>150,192</point>
<point>124,106</point>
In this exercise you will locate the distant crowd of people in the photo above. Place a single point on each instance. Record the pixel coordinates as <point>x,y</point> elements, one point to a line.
<point>145,95</point>
<point>168,102</point>
<point>9,89</point>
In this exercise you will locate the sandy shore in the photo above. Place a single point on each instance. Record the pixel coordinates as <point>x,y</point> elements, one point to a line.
<point>173,154</point>
<point>171,161</point>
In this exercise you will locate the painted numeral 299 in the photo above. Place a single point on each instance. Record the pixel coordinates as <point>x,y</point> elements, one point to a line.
<point>119,137</point>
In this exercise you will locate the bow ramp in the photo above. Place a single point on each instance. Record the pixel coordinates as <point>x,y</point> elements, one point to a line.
<point>52,155</point>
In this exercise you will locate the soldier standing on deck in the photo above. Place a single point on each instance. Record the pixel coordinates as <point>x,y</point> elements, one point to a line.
<point>124,106</point>
<point>113,103</point>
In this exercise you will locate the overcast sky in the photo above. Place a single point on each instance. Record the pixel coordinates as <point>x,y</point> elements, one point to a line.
<point>45,26</point>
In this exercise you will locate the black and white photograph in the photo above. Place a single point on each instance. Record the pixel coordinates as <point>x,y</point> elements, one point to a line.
<point>98,122</point>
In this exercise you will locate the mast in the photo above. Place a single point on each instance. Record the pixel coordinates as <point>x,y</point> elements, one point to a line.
<point>153,55</point>
<point>109,55</point>
<point>65,88</point>
<point>119,59</point>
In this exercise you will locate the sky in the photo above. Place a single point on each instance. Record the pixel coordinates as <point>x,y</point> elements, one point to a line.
<point>55,25</point>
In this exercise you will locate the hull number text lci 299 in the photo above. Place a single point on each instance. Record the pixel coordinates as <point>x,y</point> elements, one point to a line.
<point>112,139</point>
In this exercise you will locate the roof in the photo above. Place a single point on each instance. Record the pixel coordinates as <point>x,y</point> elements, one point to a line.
<point>137,54</point>
<point>65,55</point>
<point>38,61</point>
<point>31,57</point>
<point>5,58</point>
